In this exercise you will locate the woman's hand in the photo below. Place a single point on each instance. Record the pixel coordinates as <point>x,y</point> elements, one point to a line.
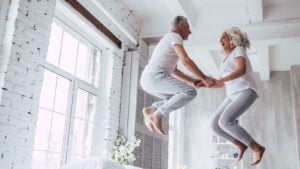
<point>219,84</point>
<point>209,81</point>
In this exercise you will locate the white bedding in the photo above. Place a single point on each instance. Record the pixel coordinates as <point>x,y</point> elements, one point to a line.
<point>97,163</point>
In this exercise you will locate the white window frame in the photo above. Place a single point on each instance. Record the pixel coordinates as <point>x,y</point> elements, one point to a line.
<point>75,84</point>
<point>65,14</point>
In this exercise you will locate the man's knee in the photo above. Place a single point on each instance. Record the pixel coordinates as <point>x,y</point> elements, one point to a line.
<point>192,93</point>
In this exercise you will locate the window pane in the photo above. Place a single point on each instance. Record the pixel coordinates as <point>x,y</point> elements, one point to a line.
<point>57,132</point>
<point>85,105</point>
<point>62,94</point>
<point>87,142</point>
<point>54,44</point>
<point>82,137</point>
<point>74,55</point>
<point>83,126</point>
<point>95,67</point>
<point>75,157</point>
<point>88,64</point>
<point>68,53</point>
<point>54,160</point>
<point>50,129</point>
<point>78,134</point>
<point>82,68</point>
<point>42,131</point>
<point>39,160</point>
<point>81,104</point>
<point>48,90</point>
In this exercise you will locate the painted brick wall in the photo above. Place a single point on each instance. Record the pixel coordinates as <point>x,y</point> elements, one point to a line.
<point>121,14</point>
<point>110,107</point>
<point>22,80</point>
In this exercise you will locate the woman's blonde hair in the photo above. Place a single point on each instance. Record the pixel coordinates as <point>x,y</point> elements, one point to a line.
<point>237,37</point>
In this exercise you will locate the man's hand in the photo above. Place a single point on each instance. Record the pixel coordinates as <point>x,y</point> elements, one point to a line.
<point>209,81</point>
<point>198,83</point>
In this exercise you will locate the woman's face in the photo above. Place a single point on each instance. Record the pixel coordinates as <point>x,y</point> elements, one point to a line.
<point>225,41</point>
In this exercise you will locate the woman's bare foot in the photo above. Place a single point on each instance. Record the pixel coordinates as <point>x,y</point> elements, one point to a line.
<point>257,155</point>
<point>156,120</point>
<point>258,152</point>
<point>147,111</point>
<point>242,148</point>
<point>241,152</point>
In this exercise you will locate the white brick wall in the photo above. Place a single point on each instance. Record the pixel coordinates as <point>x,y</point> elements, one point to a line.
<point>22,81</point>
<point>121,14</point>
<point>111,90</point>
<point>21,84</point>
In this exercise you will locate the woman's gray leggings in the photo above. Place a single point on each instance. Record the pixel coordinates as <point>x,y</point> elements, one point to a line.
<point>223,122</point>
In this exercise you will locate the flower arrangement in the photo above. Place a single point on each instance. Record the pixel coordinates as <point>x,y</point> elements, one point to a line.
<point>122,150</point>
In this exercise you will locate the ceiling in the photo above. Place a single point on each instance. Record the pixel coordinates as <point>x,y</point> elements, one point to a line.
<point>273,27</point>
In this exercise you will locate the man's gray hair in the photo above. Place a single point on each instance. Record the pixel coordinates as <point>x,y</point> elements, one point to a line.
<point>177,20</point>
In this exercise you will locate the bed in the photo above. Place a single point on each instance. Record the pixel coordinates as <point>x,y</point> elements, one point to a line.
<point>97,163</point>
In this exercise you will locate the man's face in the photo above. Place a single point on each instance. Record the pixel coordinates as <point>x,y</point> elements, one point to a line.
<point>185,30</point>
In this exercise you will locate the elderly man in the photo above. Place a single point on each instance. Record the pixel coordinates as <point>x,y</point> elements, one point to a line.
<point>162,79</point>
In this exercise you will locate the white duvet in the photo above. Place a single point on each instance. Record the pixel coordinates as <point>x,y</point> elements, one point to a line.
<point>97,163</point>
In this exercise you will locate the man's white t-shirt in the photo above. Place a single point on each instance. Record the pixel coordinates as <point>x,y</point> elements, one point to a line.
<point>243,82</point>
<point>164,56</point>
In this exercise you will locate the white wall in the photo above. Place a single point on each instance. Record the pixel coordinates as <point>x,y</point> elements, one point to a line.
<point>270,120</point>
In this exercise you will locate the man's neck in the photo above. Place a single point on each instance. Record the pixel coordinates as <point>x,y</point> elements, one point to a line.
<point>176,31</point>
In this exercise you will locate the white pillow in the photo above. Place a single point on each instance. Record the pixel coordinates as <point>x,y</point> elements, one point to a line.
<point>93,163</point>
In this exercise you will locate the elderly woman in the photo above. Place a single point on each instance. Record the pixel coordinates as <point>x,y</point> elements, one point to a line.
<point>237,76</point>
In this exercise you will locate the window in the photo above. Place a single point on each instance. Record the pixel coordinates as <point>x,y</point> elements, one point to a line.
<point>68,99</point>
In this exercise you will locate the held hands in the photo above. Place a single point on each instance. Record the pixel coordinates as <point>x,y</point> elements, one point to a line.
<point>198,83</point>
<point>208,82</point>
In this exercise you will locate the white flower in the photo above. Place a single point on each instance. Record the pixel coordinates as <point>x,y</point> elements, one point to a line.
<point>122,150</point>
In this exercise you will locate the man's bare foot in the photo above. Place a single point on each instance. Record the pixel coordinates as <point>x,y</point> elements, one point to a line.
<point>156,120</point>
<point>257,155</point>
<point>147,111</point>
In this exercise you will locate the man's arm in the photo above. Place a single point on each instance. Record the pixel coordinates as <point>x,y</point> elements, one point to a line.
<point>191,66</point>
<point>183,77</point>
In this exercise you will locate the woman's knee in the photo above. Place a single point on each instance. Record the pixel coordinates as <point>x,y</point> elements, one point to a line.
<point>225,123</point>
<point>214,125</point>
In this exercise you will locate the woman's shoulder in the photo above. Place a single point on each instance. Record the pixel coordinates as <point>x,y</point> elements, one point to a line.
<point>239,48</point>
<point>239,51</point>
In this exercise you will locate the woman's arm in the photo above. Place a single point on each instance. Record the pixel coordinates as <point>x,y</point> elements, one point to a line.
<point>219,84</point>
<point>240,70</point>
<point>191,66</point>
